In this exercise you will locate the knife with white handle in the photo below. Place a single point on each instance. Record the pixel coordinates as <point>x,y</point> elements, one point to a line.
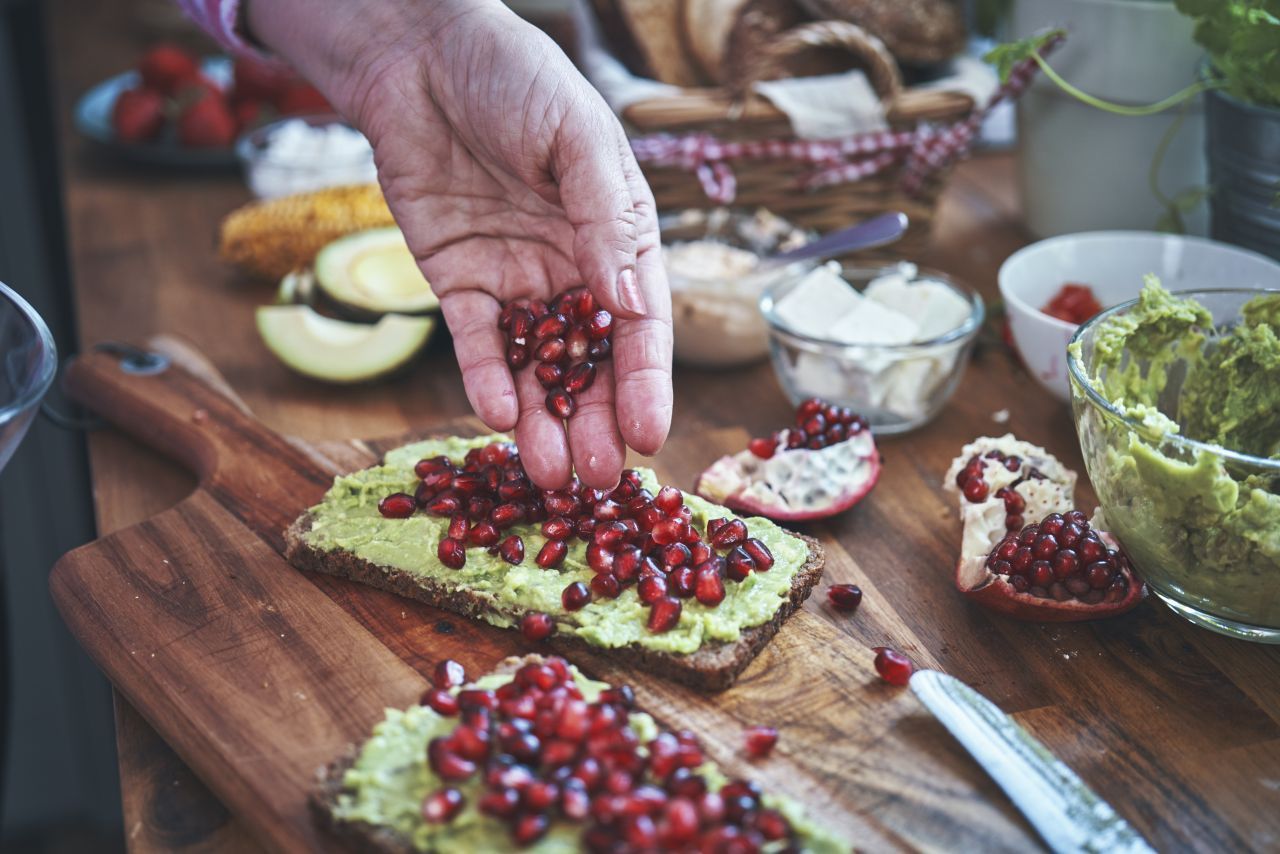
<point>1066,812</point>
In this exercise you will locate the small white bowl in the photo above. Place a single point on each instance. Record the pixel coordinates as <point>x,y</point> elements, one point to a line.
<point>271,172</point>
<point>1112,264</point>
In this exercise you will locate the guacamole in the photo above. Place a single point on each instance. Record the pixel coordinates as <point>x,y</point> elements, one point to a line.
<point>1203,530</point>
<point>348,518</point>
<point>390,777</point>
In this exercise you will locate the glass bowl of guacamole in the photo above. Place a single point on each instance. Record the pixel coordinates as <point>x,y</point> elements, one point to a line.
<point>1176,398</point>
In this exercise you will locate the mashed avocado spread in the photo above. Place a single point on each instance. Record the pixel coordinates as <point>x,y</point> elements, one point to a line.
<point>386,785</point>
<point>348,518</point>
<point>1201,529</point>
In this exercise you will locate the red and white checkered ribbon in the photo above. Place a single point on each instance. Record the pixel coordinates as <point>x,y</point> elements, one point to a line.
<point>925,149</point>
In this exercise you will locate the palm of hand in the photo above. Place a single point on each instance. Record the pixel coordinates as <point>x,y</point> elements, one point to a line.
<point>510,179</point>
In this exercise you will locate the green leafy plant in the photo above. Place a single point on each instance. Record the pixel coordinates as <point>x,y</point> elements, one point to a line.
<point>1242,38</point>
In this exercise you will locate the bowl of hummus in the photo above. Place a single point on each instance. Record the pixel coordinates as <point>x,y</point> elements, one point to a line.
<point>1176,398</point>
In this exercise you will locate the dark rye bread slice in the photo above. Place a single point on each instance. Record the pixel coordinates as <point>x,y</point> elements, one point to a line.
<point>714,667</point>
<point>360,835</point>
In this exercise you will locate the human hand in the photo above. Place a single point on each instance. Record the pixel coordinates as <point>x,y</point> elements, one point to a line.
<point>510,178</point>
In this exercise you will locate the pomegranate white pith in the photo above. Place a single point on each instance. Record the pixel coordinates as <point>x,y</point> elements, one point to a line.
<point>822,466</point>
<point>1025,551</point>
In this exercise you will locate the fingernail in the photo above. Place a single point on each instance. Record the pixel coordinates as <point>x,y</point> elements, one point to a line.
<point>629,292</point>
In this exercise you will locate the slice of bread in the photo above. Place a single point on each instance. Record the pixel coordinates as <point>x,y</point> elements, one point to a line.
<point>922,32</point>
<point>706,30</point>
<point>757,24</point>
<point>656,26</point>
<point>713,667</point>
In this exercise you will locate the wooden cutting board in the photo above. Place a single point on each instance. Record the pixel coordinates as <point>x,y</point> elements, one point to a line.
<point>257,674</point>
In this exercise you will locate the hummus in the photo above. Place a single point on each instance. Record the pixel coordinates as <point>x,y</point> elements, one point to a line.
<point>1203,530</point>
<point>348,518</point>
<point>390,777</point>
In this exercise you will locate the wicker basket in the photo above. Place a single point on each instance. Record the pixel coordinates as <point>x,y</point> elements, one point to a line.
<point>774,183</point>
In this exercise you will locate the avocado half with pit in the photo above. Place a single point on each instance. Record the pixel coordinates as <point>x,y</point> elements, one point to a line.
<point>338,351</point>
<point>371,273</point>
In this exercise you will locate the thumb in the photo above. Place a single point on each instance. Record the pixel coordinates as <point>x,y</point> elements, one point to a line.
<point>597,177</point>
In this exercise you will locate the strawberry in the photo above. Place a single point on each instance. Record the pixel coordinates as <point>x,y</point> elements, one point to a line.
<point>137,115</point>
<point>249,113</point>
<point>207,123</point>
<point>166,67</point>
<point>302,98</point>
<point>258,81</point>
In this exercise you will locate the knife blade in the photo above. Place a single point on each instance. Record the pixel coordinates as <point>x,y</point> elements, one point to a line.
<point>1066,813</point>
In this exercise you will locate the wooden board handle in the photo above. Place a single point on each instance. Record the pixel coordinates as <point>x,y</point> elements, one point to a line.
<point>171,399</point>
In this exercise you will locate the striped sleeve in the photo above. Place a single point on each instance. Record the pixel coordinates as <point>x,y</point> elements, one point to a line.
<point>221,20</point>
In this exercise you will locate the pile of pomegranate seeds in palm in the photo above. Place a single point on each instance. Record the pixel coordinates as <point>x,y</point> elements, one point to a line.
<point>976,490</point>
<point>1062,558</point>
<point>634,538</point>
<point>542,753</point>
<point>567,337</point>
<point>818,424</point>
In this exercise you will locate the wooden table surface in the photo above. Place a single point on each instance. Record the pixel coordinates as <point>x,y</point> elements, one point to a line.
<point>1177,727</point>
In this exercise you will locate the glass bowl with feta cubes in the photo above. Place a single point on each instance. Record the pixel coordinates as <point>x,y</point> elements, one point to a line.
<point>304,153</point>
<point>889,342</point>
<point>713,261</point>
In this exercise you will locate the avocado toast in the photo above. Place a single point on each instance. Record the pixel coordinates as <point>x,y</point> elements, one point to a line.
<point>535,755</point>
<point>666,613</point>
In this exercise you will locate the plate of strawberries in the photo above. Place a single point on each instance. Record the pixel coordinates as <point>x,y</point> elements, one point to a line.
<point>177,109</point>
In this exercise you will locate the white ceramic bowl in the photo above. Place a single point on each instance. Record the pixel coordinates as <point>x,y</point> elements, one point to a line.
<point>1113,264</point>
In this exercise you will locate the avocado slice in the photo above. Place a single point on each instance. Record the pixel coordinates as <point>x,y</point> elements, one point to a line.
<point>297,288</point>
<point>372,273</point>
<point>338,351</point>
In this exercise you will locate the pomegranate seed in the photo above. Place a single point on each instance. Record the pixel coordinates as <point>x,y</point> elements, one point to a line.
<point>580,377</point>
<point>676,554</point>
<point>521,323</point>
<point>652,588</point>
<point>441,702</point>
<point>399,505</point>
<point>894,667</point>
<point>517,355</point>
<point>763,448</point>
<point>444,505</point>
<point>548,374</point>
<point>470,742</point>
<point>669,500</point>
<point>576,344</point>
<point>452,553</point>
<point>477,698</point>
<point>575,596</point>
<point>772,825</point>
<point>732,533</point>
<point>606,584</point>
<point>560,403</point>
<point>447,764</point>
<point>551,350</point>
<point>443,805</point>
<point>760,741</point>
<point>626,564</point>
<point>529,828</point>
<point>708,588</point>
<point>844,597</point>
<point>681,582</point>
<point>483,534</point>
<point>600,558</point>
<point>680,822</point>
<point>499,803</point>
<point>552,554</point>
<point>537,626</point>
<point>809,408</point>
<point>598,351</point>
<point>760,554</point>
<point>975,490</point>
<point>448,674</point>
<point>668,531</point>
<point>458,528</point>
<point>551,325</point>
<point>512,550</point>
<point>664,614</point>
<point>738,564</point>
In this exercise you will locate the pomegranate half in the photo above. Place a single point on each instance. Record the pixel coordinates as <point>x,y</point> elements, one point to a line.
<point>1061,566</point>
<point>822,466</point>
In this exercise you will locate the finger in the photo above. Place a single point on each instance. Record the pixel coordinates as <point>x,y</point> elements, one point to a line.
<point>642,361</point>
<point>544,448</point>
<point>596,444</point>
<point>595,169</point>
<point>472,317</point>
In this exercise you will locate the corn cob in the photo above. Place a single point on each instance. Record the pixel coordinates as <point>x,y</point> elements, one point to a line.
<point>268,239</point>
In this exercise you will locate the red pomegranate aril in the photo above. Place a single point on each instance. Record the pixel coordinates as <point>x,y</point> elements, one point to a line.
<point>537,626</point>
<point>1022,559</point>
<point>894,667</point>
<point>681,582</point>
<point>772,825</point>
<point>1090,548</point>
<point>844,597</point>
<point>452,553</point>
<point>441,702</point>
<point>760,741</point>
<point>679,822</point>
<point>676,554</point>
<point>669,500</point>
<point>1069,535</point>
<point>1040,574</point>
<point>760,554</point>
<point>975,489</point>
<point>529,828</point>
<point>664,614</point>
<point>575,597</point>
<point>600,557</point>
<point>458,528</point>
<point>552,554</point>
<point>540,795</point>
<point>447,764</point>
<point>1013,500</point>
<point>652,588</point>
<point>517,355</point>
<point>551,350</point>
<point>499,803</point>
<point>585,528</point>
<point>668,531</point>
<point>444,505</point>
<point>1098,574</point>
<point>548,374</point>
<point>598,351</point>
<point>1045,547</point>
<point>557,528</point>
<point>448,674</point>
<point>443,805</point>
<point>398,505</point>
<point>809,408</point>
<point>708,588</point>
<point>626,563</point>
<point>521,323</point>
<point>560,403</point>
<point>738,564</point>
<point>512,550</point>
<point>550,325</point>
<point>580,377</point>
<point>1052,523</point>
<point>1065,563</point>
<point>576,343</point>
<point>606,584</point>
<point>483,534</point>
<point>763,448</point>
<point>730,534</point>
<point>422,468</point>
